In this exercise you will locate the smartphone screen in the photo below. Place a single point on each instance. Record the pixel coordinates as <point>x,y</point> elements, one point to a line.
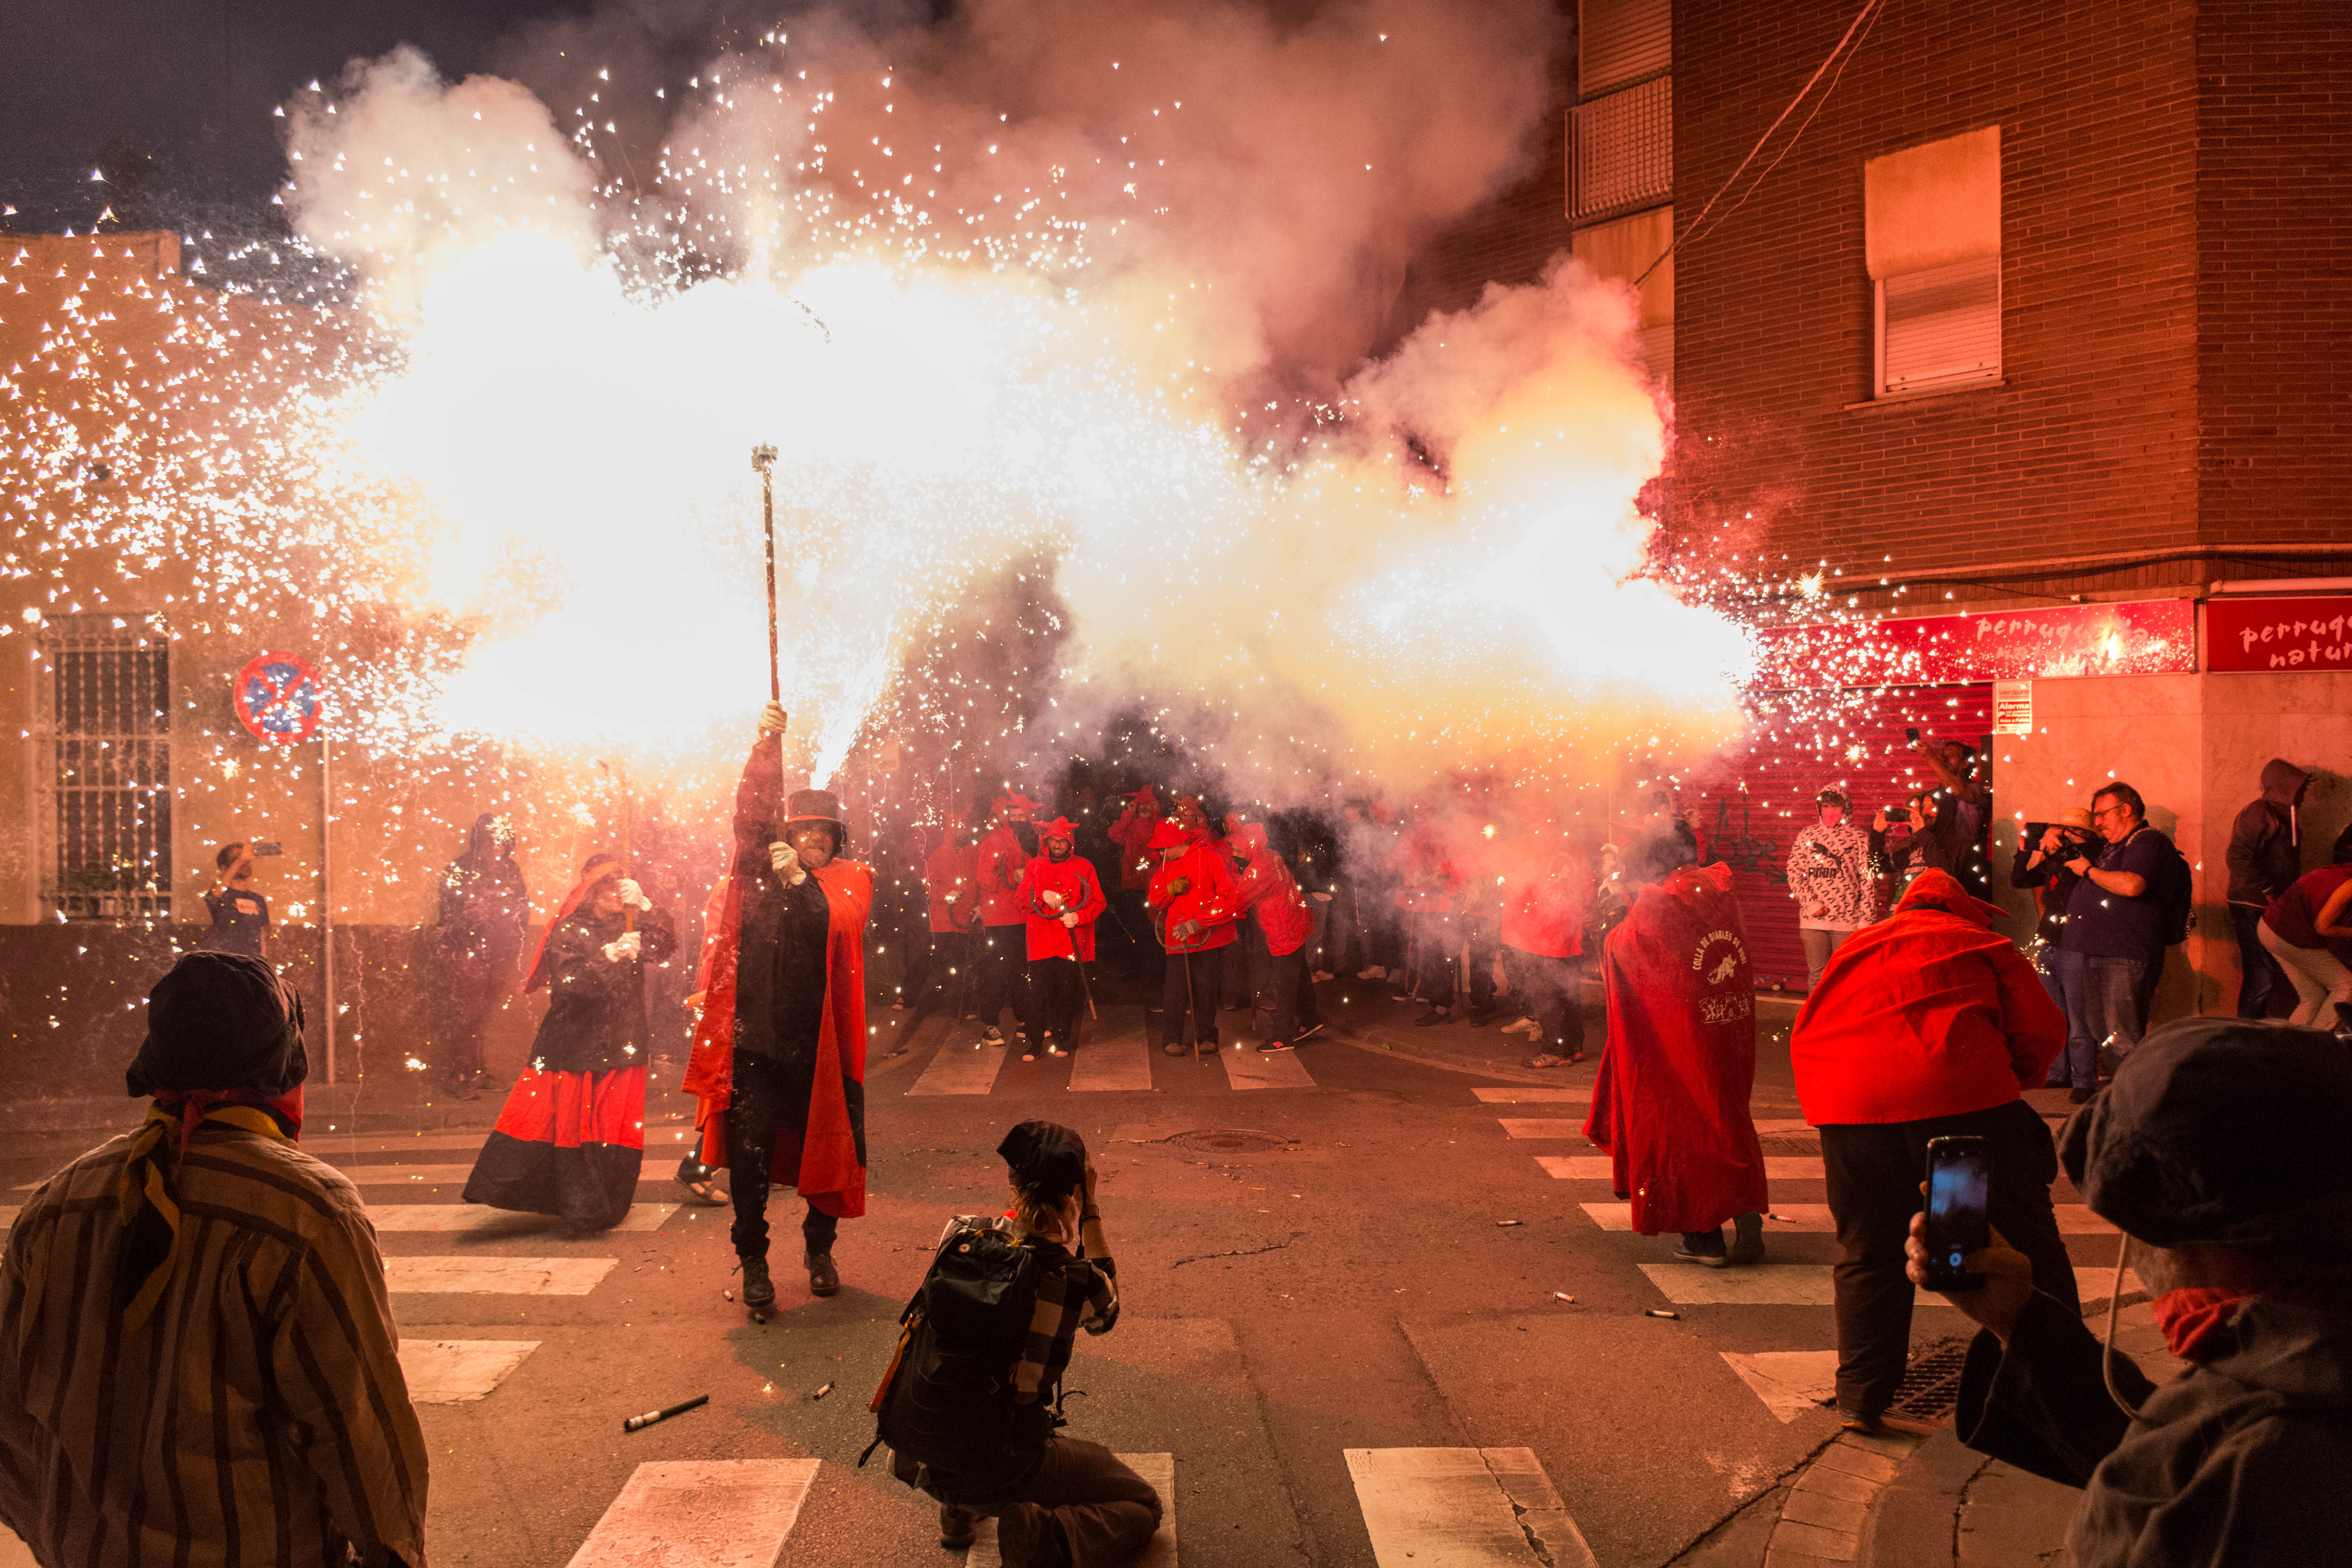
<point>1912,735</point>
<point>1959,1181</point>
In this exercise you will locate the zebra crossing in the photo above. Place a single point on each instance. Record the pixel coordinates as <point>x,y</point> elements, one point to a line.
<point>1105,1067</point>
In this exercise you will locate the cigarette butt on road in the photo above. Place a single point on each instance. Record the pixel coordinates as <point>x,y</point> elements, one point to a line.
<point>1654,1312</point>
<point>1562,1296</point>
<point>821,1392</point>
<point>727,1295</point>
<point>638,1422</point>
<point>1782,1217</point>
<point>1506,1223</point>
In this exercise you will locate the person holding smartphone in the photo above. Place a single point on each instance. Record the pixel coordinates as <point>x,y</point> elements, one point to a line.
<point>1928,1025</point>
<point>241,915</point>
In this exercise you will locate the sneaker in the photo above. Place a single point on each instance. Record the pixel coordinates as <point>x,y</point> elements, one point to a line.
<point>1308,1033</point>
<point>1480,1020</point>
<point>1434,1015</point>
<point>956,1527</point>
<point>1056,1051</point>
<point>1747,1238</point>
<point>991,1035</point>
<point>1526,1026</point>
<point>1701,1253</point>
<point>1275,1046</point>
<point>1373,972</point>
<point>1323,975</point>
<point>1173,1048</point>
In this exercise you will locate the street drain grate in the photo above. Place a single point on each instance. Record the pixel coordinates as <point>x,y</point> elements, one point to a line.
<point>1229,1140</point>
<point>1931,1384</point>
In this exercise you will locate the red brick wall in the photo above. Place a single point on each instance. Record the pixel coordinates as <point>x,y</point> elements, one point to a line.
<point>2091,446</point>
<point>2273,258</point>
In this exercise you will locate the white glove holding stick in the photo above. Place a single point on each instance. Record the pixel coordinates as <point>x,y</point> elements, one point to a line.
<point>787,862</point>
<point>635,895</point>
<point>624,946</point>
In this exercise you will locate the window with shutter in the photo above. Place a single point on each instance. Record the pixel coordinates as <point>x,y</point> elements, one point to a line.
<point>1939,328</point>
<point>109,777</point>
<point>1625,151</point>
<point>1621,41</point>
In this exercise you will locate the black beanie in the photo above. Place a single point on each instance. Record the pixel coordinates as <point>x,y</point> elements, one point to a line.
<point>221,1021</point>
<point>1048,1160</point>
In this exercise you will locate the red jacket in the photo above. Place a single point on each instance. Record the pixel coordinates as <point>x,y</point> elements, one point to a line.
<point>1545,895</point>
<point>952,869</point>
<point>1082,896</point>
<point>1431,882</point>
<point>1928,1013</point>
<point>1001,862</point>
<point>1132,836</point>
<point>1270,894</point>
<point>1197,887</point>
<point>1670,1104</point>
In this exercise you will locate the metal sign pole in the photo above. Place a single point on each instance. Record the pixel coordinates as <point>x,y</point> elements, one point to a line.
<point>326,888</point>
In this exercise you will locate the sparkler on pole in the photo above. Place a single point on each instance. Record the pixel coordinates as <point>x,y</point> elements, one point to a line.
<point>763,458</point>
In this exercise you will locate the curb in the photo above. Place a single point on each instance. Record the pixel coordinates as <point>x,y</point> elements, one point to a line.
<point>1348,1036</point>
<point>1832,1506</point>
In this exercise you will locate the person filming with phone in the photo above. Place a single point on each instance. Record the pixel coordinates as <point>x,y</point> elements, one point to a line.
<point>1926,1025</point>
<point>2218,1151</point>
<point>240,916</point>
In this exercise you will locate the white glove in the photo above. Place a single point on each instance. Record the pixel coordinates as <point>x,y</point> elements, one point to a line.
<point>632,894</point>
<point>787,862</point>
<point>772,721</point>
<point>1070,918</point>
<point>624,945</point>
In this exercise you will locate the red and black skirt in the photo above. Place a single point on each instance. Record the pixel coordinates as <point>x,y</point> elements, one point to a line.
<point>567,1143</point>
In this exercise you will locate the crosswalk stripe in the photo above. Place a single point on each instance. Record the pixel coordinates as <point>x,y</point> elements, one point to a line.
<point>1805,1285</point>
<point>495,1276</point>
<point>711,1513</point>
<point>1540,1127</point>
<point>961,1069</point>
<point>1790,1382</point>
<point>456,1372</point>
<point>480,1216</point>
<point>1159,1470</point>
<point>1595,1167</point>
<point>1112,1067</point>
<point>1534,1096</point>
<point>1463,1508</point>
<point>340,1148</point>
<point>2074,1219</point>
<point>1246,1069</point>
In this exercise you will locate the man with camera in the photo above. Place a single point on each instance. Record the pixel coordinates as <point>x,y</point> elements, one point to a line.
<point>2217,1150</point>
<point>2043,850</point>
<point>2115,916</point>
<point>240,916</point>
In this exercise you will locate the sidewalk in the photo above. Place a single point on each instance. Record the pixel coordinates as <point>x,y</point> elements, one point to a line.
<point>1903,1501</point>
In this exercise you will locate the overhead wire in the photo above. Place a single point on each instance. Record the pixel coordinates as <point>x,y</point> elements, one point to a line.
<point>1853,29</point>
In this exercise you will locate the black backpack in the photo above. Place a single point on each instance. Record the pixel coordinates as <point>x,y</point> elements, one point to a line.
<point>2180,896</point>
<point>947,1401</point>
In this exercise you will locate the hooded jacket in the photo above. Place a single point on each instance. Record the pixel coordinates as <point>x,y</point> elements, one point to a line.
<point>485,910</point>
<point>1832,869</point>
<point>1270,894</point>
<point>1002,858</point>
<point>2266,841</point>
<point>1545,895</point>
<point>1073,878</point>
<point>1928,1013</point>
<point>1196,887</point>
<point>954,868</point>
<point>1130,837</point>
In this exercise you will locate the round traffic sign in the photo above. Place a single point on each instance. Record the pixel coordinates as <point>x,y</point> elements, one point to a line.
<point>280,697</point>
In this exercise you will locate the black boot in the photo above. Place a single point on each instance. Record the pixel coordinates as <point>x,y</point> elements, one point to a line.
<point>824,1279</point>
<point>758,1290</point>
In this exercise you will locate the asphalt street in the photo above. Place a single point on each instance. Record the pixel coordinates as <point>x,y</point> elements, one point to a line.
<point>1343,1319</point>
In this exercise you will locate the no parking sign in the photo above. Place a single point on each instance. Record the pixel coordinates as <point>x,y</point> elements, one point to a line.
<point>280,697</point>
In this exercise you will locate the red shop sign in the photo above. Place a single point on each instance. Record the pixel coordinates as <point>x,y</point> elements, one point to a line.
<point>2279,634</point>
<point>2146,637</point>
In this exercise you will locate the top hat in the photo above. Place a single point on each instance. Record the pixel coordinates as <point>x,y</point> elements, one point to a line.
<point>816,806</point>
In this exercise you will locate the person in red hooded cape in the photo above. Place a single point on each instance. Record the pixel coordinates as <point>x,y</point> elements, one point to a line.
<point>779,1061</point>
<point>1064,898</point>
<point>1670,1104</point>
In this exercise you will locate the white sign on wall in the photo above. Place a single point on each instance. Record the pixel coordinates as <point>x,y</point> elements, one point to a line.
<point>2012,708</point>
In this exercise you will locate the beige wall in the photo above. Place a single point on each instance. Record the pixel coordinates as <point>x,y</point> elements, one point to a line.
<point>2193,745</point>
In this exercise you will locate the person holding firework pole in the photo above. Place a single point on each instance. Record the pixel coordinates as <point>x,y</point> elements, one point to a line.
<point>1064,899</point>
<point>779,1061</point>
<point>1193,902</point>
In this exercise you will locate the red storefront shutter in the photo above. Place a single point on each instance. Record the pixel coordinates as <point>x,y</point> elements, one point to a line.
<point>1750,802</point>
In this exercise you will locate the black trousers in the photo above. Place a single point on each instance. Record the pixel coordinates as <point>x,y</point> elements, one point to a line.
<point>1192,986</point>
<point>1478,965</point>
<point>1001,976</point>
<point>768,1094</point>
<point>1552,992</point>
<point>1104,1513</point>
<point>1293,996</point>
<point>1061,1000</point>
<point>1874,1172</point>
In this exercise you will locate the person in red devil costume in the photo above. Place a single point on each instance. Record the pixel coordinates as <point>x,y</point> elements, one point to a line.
<point>1130,837</point>
<point>1003,973</point>
<point>779,1061</point>
<point>1064,899</point>
<point>1270,895</point>
<point>1670,1102</point>
<point>1193,902</point>
<point>571,1139</point>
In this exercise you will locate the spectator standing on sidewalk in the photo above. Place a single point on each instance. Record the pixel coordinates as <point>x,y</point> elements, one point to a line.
<point>2040,865</point>
<point>485,913</point>
<point>2309,930</point>
<point>2115,916</point>
<point>1927,1024</point>
<point>198,1363</point>
<point>2265,859</point>
<point>1670,1104</point>
<point>1832,877</point>
<point>2218,1150</point>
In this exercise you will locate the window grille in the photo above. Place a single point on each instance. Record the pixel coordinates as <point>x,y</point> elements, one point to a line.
<point>1618,41</point>
<point>109,767</point>
<point>1625,151</point>
<point>1939,328</point>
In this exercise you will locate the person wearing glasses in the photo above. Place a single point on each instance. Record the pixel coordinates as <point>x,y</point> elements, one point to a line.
<point>2116,917</point>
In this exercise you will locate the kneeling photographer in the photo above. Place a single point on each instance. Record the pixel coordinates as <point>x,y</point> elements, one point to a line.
<point>971,1405</point>
<point>2217,1150</point>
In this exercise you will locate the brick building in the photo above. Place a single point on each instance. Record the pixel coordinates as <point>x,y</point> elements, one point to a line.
<point>2026,316</point>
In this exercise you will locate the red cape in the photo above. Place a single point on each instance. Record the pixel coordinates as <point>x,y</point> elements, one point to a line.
<point>820,1160</point>
<point>1670,1104</point>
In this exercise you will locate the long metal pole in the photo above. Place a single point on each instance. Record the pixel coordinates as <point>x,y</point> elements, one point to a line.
<point>326,888</point>
<point>764,459</point>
